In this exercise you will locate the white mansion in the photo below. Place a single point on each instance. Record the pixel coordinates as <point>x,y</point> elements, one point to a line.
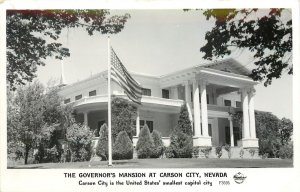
<point>211,92</point>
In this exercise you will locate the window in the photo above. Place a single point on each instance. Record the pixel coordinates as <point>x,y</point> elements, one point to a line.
<point>146,92</point>
<point>238,104</point>
<point>142,123</point>
<point>165,94</point>
<point>207,98</point>
<point>209,130</point>
<point>78,97</point>
<point>227,103</point>
<point>67,101</point>
<point>92,93</point>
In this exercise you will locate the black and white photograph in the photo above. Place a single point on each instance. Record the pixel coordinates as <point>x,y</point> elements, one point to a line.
<point>198,95</point>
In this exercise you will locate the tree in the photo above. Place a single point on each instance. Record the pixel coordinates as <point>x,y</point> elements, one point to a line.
<point>102,145</point>
<point>268,36</point>
<point>267,131</point>
<point>145,144</point>
<point>123,148</point>
<point>32,36</point>
<point>34,116</point>
<point>285,130</point>
<point>184,122</point>
<point>29,114</point>
<point>158,144</point>
<point>79,138</point>
<point>181,144</point>
<point>122,115</point>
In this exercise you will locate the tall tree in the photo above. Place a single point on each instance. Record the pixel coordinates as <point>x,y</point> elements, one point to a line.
<point>32,36</point>
<point>33,115</point>
<point>184,122</point>
<point>265,33</point>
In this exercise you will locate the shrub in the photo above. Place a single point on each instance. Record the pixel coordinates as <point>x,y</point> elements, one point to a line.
<point>169,152</point>
<point>181,145</point>
<point>228,149</point>
<point>184,122</point>
<point>286,151</point>
<point>242,153</point>
<point>79,138</point>
<point>158,145</point>
<point>219,151</point>
<point>196,150</point>
<point>206,151</point>
<point>123,148</point>
<point>102,145</point>
<point>264,156</point>
<point>145,144</point>
<point>252,152</point>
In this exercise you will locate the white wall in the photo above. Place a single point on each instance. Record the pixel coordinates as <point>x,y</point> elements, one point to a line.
<point>233,96</point>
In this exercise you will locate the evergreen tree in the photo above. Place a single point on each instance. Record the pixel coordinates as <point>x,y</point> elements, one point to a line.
<point>102,145</point>
<point>123,148</point>
<point>145,145</point>
<point>184,122</point>
<point>158,144</point>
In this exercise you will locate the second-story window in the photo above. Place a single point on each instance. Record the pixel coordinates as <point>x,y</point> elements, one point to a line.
<point>238,104</point>
<point>165,94</point>
<point>92,93</point>
<point>227,103</point>
<point>146,92</point>
<point>67,101</point>
<point>78,97</point>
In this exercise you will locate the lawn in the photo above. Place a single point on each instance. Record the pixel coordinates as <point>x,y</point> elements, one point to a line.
<point>167,163</point>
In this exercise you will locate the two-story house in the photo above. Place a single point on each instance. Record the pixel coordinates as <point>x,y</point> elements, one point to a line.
<point>211,92</point>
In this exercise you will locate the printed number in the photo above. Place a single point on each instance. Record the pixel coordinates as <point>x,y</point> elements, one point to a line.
<point>224,183</point>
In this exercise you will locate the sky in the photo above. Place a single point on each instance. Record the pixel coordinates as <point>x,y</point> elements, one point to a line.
<point>157,42</point>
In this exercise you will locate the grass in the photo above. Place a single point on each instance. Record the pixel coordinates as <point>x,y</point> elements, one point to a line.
<point>167,163</point>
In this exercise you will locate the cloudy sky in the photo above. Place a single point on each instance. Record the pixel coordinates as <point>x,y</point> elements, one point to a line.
<point>157,42</point>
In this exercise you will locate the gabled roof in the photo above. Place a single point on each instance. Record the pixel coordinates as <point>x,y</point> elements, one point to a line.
<point>228,65</point>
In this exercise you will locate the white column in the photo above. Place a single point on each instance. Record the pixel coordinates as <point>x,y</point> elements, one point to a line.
<point>204,109</point>
<point>252,113</point>
<point>137,125</point>
<point>246,133</point>
<point>197,127</point>
<point>85,118</point>
<point>188,100</point>
<point>231,132</point>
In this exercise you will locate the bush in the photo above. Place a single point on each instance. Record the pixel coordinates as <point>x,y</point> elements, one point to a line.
<point>169,152</point>
<point>252,152</point>
<point>228,149</point>
<point>123,148</point>
<point>219,151</point>
<point>181,145</point>
<point>286,151</point>
<point>102,145</point>
<point>80,142</point>
<point>158,149</point>
<point>145,144</point>
<point>206,151</point>
<point>242,153</point>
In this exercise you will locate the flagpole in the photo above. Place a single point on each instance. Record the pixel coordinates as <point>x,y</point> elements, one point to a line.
<point>109,106</point>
